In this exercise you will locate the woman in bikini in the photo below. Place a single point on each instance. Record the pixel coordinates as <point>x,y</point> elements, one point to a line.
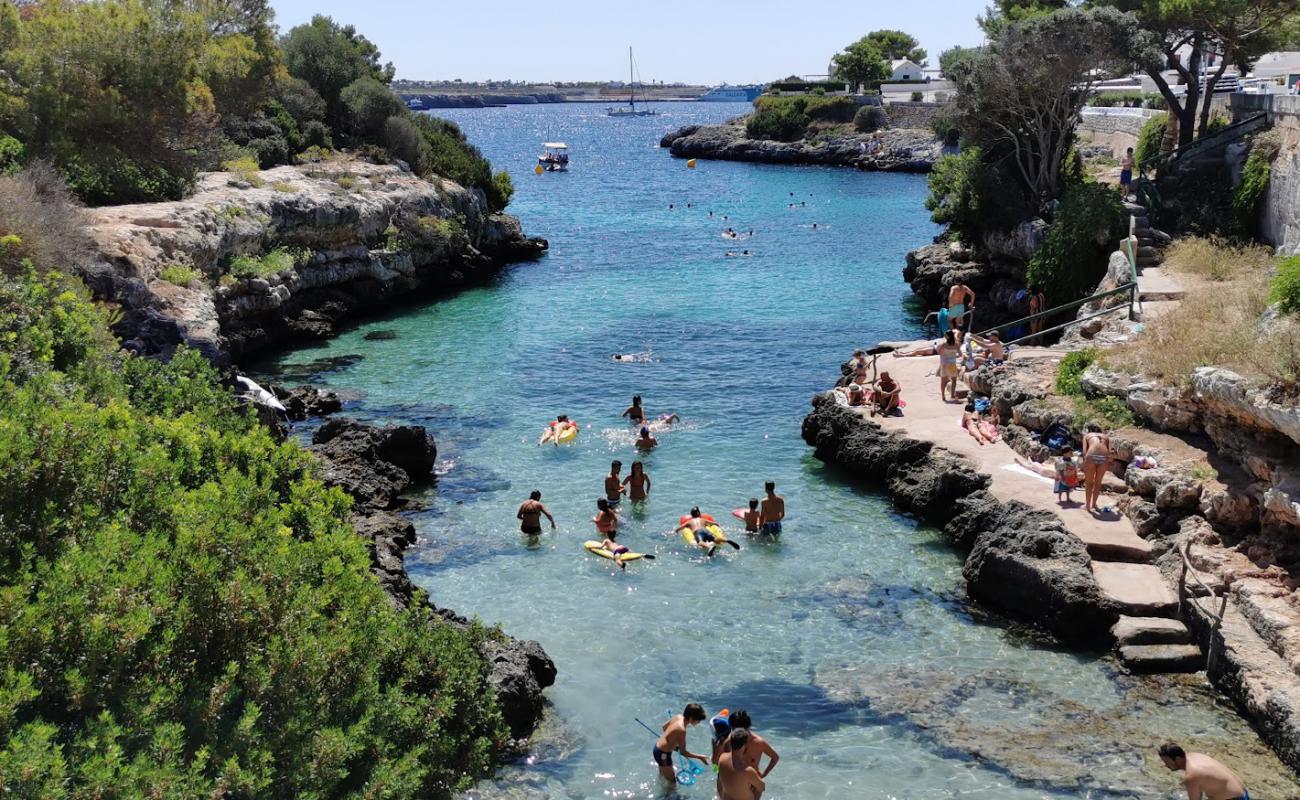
<point>606,520</point>
<point>949,355</point>
<point>972,422</point>
<point>637,483</point>
<point>1097,456</point>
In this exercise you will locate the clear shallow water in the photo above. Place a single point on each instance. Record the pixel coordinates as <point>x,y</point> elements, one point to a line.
<point>795,629</point>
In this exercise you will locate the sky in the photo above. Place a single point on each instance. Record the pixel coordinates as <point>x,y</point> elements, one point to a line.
<point>698,41</point>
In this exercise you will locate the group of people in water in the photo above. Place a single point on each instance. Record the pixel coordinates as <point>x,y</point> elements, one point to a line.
<point>762,517</point>
<point>737,751</point>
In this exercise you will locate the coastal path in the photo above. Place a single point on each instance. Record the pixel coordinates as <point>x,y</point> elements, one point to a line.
<point>1150,639</point>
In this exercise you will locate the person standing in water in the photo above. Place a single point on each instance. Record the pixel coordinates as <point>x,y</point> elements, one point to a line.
<point>637,483</point>
<point>606,520</point>
<point>613,485</point>
<point>1203,777</point>
<point>773,510</point>
<point>752,517</point>
<point>634,413</point>
<point>737,778</point>
<point>673,740</point>
<point>530,515</point>
<point>757,747</point>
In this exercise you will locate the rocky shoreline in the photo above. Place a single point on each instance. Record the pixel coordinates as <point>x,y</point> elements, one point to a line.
<point>375,465</point>
<point>905,149</point>
<point>365,237</point>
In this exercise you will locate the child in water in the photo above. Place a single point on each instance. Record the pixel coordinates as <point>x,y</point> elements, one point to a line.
<point>751,516</point>
<point>616,549</point>
<point>674,740</point>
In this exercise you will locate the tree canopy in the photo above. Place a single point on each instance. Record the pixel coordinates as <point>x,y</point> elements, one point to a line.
<point>949,58</point>
<point>130,99</point>
<point>860,62</point>
<point>897,44</point>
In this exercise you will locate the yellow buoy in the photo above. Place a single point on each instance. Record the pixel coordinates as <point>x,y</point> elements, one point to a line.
<point>538,169</point>
<point>691,164</point>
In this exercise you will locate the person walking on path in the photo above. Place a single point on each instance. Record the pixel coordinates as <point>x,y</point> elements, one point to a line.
<point>530,515</point>
<point>1126,174</point>
<point>1203,777</point>
<point>1097,456</point>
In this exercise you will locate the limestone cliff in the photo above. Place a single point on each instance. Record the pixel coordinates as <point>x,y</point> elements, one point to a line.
<point>362,236</point>
<point>904,150</point>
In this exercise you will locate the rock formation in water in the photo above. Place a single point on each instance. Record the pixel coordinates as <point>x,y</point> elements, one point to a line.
<point>348,237</point>
<point>905,149</point>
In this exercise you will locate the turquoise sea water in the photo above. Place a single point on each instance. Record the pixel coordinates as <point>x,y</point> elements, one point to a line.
<point>786,627</point>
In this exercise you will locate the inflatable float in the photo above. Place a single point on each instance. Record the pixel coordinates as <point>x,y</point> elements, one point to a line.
<point>596,548</point>
<point>567,435</point>
<point>710,524</point>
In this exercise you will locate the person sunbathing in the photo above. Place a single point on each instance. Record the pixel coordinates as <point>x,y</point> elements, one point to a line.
<point>974,424</point>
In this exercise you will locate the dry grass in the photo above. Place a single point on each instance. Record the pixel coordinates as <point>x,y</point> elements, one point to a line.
<point>1215,260</point>
<point>37,208</point>
<point>1224,320</point>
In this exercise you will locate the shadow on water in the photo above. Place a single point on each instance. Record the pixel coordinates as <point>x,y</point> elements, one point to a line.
<point>785,709</point>
<point>313,371</point>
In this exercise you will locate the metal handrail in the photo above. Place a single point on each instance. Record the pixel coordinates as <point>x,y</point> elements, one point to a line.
<point>1128,287</point>
<point>1216,620</point>
<point>1227,133</point>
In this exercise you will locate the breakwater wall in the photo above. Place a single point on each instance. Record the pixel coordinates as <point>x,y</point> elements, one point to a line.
<point>1280,225</point>
<point>913,115</point>
<point>1116,128</point>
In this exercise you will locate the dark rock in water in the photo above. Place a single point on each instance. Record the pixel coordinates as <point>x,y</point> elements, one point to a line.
<point>388,536</point>
<point>380,336</point>
<point>859,598</point>
<point>374,464</point>
<point>1026,565</point>
<point>518,673</point>
<point>304,402</point>
<point>902,150</point>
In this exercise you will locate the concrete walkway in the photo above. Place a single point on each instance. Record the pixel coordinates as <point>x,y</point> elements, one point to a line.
<point>1120,556</point>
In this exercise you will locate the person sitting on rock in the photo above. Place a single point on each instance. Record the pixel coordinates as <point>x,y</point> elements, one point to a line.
<point>970,421</point>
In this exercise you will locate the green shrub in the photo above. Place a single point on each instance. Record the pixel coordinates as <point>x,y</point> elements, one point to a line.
<point>1071,261</point>
<point>1255,177</point>
<point>869,119</point>
<point>12,154</point>
<point>918,97</point>
<point>1111,410</point>
<point>784,123</point>
<point>1071,370</point>
<point>958,184</point>
<point>369,104</point>
<point>269,265</point>
<point>819,91</point>
<point>1285,288</point>
<point>347,181</point>
<point>1128,100</point>
<point>502,190</point>
<point>1151,140</point>
<point>179,274</point>
<point>185,609</point>
<point>245,169</point>
<point>283,186</point>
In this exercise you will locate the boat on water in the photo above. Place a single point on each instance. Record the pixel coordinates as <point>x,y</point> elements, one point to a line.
<point>554,157</point>
<point>731,94</point>
<point>630,110</point>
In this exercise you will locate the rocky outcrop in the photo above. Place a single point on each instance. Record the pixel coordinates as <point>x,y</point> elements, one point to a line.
<point>374,465</point>
<point>995,272</point>
<point>1022,563</point>
<point>356,238</point>
<point>905,149</point>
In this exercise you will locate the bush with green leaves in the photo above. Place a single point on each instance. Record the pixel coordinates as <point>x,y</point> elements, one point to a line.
<point>1151,140</point>
<point>869,119</point>
<point>369,104</point>
<point>1285,288</point>
<point>179,274</point>
<point>1072,259</point>
<point>12,154</point>
<point>185,609</point>
<point>1248,196</point>
<point>1070,372</point>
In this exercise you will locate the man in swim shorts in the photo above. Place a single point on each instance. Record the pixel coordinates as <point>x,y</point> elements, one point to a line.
<point>674,740</point>
<point>1203,776</point>
<point>530,515</point>
<point>773,510</point>
<point>703,537</point>
<point>614,484</point>
<point>958,306</point>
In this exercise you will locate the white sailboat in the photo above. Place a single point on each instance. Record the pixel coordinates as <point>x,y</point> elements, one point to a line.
<point>630,110</point>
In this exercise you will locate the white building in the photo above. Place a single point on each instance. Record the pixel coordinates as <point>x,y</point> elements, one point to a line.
<point>902,69</point>
<point>1284,64</point>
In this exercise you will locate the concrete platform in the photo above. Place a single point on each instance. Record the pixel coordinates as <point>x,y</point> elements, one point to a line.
<point>1138,589</point>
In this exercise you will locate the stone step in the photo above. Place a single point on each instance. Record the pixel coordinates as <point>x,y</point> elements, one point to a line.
<point>1136,209</point>
<point>1149,252</point>
<point>1115,544</point>
<point>1148,296</point>
<point>1137,590</point>
<point>1130,631</point>
<point>1159,658</point>
<point>1157,309</point>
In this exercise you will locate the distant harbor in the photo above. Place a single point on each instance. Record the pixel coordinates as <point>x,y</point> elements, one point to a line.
<point>422,95</point>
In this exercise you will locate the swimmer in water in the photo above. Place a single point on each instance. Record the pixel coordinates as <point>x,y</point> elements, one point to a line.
<point>752,516</point>
<point>635,413</point>
<point>646,441</point>
<point>703,536</point>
